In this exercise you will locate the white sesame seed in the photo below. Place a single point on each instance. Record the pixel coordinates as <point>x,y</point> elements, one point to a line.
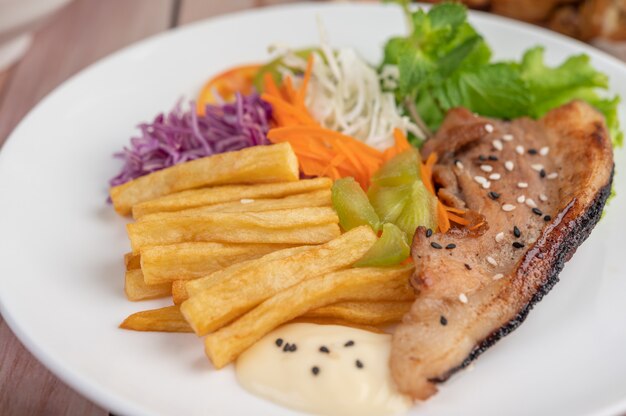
<point>537,167</point>
<point>499,237</point>
<point>544,151</point>
<point>497,276</point>
<point>480,179</point>
<point>486,185</point>
<point>463,298</point>
<point>521,199</point>
<point>531,203</point>
<point>486,168</point>
<point>459,164</point>
<point>246,201</point>
<point>522,185</point>
<point>497,144</point>
<point>543,198</point>
<point>507,137</point>
<point>488,128</point>
<point>495,176</point>
<point>519,150</point>
<point>508,165</point>
<point>508,207</point>
<point>552,175</point>
<point>491,261</point>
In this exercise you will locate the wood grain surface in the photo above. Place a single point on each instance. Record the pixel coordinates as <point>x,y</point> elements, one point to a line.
<point>77,36</point>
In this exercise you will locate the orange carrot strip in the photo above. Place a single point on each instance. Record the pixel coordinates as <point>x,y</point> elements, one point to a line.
<point>455,210</point>
<point>443,221</point>
<point>270,85</point>
<point>457,219</point>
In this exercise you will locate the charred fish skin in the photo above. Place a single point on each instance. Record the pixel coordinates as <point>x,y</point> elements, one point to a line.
<point>487,287</point>
<point>572,235</point>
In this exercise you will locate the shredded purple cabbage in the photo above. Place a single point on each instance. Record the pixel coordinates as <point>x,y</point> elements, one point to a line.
<point>183,135</point>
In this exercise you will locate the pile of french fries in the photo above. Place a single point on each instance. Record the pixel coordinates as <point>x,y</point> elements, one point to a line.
<point>243,245</point>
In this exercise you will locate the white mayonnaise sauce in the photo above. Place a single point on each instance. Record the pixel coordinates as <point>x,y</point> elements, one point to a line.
<point>331,370</point>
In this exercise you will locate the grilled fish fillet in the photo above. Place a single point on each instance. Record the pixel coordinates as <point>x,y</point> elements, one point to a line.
<point>540,187</point>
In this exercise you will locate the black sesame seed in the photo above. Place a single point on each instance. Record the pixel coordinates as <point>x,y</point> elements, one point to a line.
<point>443,321</point>
<point>436,245</point>
<point>537,211</point>
<point>482,158</point>
<point>349,343</point>
<point>494,158</point>
<point>450,246</point>
<point>468,267</point>
<point>287,347</point>
<point>358,363</point>
<point>517,244</point>
<point>315,370</point>
<point>493,195</point>
<point>542,173</point>
<point>293,348</point>
<point>516,232</point>
<point>547,218</point>
<point>324,349</point>
<point>279,342</point>
<point>532,151</point>
<point>429,232</point>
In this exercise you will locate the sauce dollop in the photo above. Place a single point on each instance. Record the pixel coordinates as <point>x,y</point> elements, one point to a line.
<point>323,369</point>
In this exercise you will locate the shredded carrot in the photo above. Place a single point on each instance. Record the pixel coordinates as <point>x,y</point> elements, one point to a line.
<point>457,219</point>
<point>455,210</point>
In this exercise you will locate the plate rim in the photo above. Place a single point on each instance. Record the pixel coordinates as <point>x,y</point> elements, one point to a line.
<point>86,385</point>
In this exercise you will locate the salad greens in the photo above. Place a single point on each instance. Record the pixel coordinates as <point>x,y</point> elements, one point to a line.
<point>444,62</point>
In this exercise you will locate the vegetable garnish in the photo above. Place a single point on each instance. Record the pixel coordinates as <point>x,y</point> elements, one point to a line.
<point>444,62</point>
<point>223,87</point>
<point>183,135</point>
<point>322,151</point>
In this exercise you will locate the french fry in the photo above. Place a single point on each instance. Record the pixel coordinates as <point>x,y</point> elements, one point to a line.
<point>179,292</point>
<point>137,289</point>
<point>186,261</point>
<point>196,286</point>
<point>167,319</point>
<point>330,321</point>
<point>132,261</point>
<point>295,226</point>
<point>216,306</point>
<point>229,193</point>
<point>258,164</point>
<point>313,199</point>
<point>366,313</point>
<point>224,345</point>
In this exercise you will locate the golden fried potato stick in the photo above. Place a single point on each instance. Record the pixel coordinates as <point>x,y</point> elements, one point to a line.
<point>167,319</point>
<point>196,286</point>
<point>137,289</point>
<point>293,226</point>
<point>229,193</point>
<point>313,199</point>
<point>179,291</point>
<point>214,307</point>
<point>186,261</point>
<point>366,313</point>
<point>132,261</point>
<point>340,322</point>
<point>258,164</point>
<point>224,345</point>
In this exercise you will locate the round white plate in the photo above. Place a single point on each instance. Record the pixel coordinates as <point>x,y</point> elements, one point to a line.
<point>61,272</point>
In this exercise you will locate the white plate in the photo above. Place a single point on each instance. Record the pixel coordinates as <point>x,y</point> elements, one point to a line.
<point>61,287</point>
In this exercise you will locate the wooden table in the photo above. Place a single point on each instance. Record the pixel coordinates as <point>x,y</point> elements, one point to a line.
<point>77,36</point>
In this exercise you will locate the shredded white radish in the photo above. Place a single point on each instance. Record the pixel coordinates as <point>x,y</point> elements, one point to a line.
<point>345,94</point>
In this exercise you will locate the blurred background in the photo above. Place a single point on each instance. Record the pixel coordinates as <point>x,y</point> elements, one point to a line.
<point>44,42</point>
